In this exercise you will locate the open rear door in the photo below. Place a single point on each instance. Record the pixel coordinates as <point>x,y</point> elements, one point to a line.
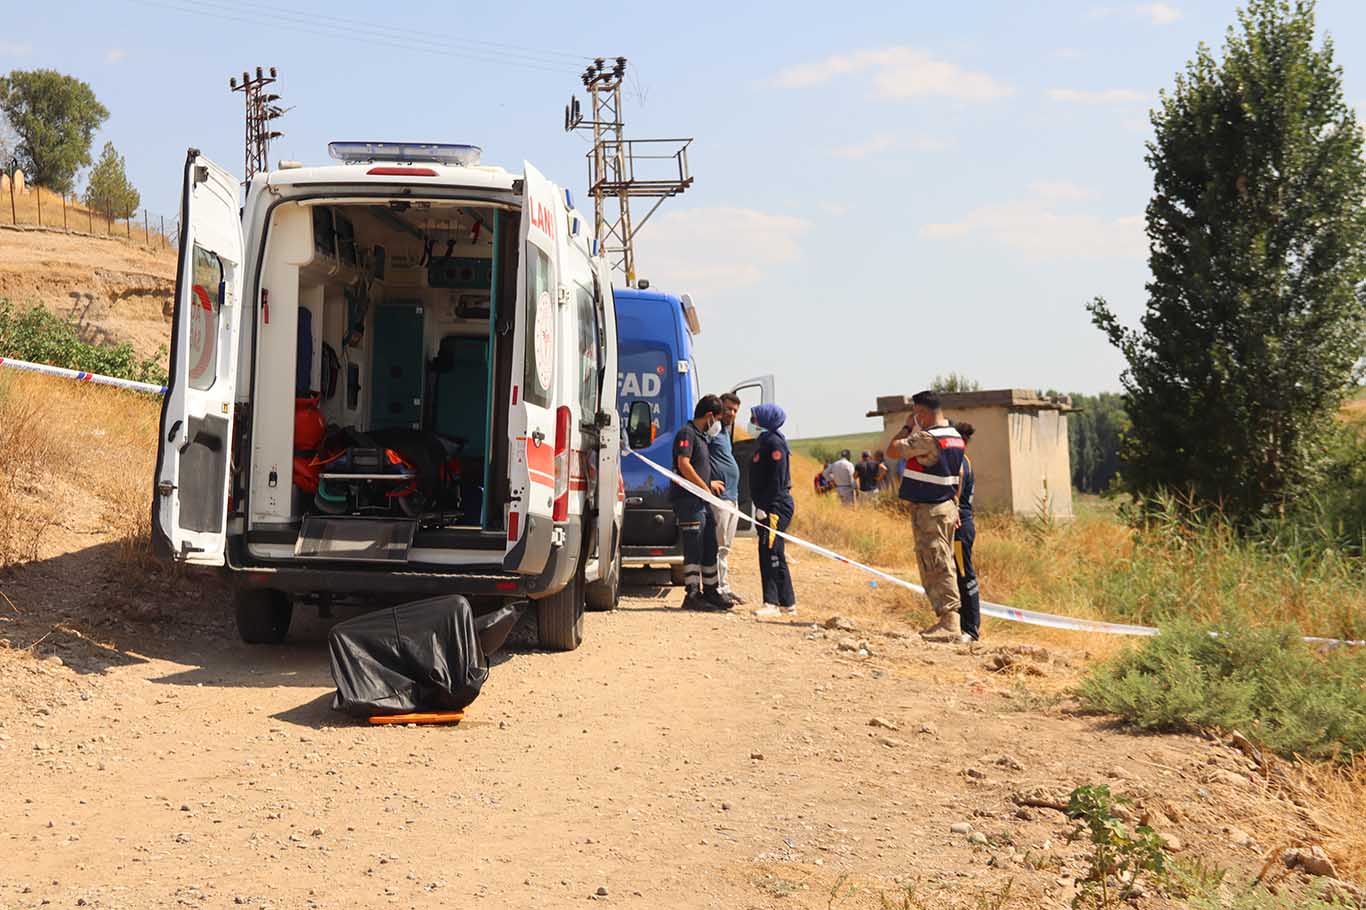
<point>758,390</point>
<point>611,495</point>
<point>531,418</point>
<point>189,502</point>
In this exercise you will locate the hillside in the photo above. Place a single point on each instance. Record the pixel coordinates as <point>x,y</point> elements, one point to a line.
<point>113,291</point>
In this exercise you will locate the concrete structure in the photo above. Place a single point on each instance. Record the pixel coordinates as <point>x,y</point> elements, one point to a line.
<point>1019,450</point>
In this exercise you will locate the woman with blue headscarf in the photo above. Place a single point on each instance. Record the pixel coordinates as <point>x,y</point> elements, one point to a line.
<point>770,486</point>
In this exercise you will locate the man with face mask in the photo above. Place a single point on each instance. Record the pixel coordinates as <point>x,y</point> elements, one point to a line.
<point>696,523</point>
<point>725,469</point>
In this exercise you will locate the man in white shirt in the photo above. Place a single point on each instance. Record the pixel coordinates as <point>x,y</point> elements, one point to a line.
<point>841,474</point>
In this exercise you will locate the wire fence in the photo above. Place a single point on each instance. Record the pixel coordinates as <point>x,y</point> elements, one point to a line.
<point>34,206</point>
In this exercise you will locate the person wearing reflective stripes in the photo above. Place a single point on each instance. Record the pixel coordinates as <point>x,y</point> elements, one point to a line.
<point>770,486</point>
<point>696,524</point>
<point>969,597</point>
<point>930,483</point>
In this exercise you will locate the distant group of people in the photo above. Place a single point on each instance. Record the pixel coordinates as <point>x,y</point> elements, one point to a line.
<point>927,458</point>
<point>704,455</point>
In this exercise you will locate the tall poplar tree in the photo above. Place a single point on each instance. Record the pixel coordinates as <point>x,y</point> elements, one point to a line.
<point>1255,320</point>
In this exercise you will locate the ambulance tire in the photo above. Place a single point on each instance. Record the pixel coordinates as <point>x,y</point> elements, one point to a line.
<point>604,593</point>
<point>559,617</point>
<point>263,615</point>
<point>676,576</point>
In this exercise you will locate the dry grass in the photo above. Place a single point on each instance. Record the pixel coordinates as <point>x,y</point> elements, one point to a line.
<point>1097,567</point>
<point>26,210</point>
<point>97,442</point>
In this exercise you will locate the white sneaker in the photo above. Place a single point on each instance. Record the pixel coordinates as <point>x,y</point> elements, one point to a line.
<point>789,611</point>
<point>768,610</point>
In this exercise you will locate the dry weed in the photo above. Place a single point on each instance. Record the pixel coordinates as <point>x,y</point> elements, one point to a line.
<point>102,441</point>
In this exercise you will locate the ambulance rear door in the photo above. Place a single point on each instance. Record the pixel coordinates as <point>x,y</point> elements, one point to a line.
<point>531,418</point>
<point>610,492</point>
<point>194,444</point>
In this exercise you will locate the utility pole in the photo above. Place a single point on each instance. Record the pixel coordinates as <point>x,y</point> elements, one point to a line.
<point>261,110</point>
<point>613,180</point>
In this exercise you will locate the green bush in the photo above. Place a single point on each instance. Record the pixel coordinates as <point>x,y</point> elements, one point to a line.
<point>1266,682</point>
<point>41,337</point>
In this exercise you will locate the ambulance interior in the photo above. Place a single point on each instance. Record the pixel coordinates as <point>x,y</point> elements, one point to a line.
<point>380,401</point>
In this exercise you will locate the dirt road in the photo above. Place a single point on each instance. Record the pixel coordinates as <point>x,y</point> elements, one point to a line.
<point>675,760</point>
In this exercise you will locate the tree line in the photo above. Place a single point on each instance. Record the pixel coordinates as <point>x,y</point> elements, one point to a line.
<point>48,122</point>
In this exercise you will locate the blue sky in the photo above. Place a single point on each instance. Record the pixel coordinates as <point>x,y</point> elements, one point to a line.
<point>883,192</point>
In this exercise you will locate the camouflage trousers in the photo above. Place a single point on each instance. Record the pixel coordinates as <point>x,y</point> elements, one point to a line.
<point>933,525</point>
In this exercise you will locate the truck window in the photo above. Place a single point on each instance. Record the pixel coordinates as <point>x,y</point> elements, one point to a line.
<point>539,372</point>
<point>590,353</point>
<point>645,376</point>
<point>206,305</point>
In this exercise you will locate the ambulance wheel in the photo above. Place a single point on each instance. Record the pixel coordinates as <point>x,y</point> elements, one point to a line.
<point>604,593</point>
<point>676,575</point>
<point>262,615</point>
<point>559,617</point>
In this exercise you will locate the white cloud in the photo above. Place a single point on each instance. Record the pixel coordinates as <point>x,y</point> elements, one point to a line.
<point>885,142</point>
<point>709,249</point>
<point>1041,227</point>
<point>115,54</point>
<point>15,49</point>
<point>1158,13</point>
<point>899,73</point>
<point>1155,13</point>
<point>1102,96</point>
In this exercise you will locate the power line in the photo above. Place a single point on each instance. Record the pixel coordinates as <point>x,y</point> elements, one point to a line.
<point>261,110</point>
<point>536,54</point>
<point>349,33</point>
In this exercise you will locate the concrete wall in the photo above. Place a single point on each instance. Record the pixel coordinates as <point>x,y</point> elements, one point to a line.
<point>1040,462</point>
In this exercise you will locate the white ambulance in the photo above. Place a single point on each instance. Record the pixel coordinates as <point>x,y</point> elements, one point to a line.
<point>392,377</point>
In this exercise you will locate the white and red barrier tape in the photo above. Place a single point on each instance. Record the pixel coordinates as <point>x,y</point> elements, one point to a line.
<point>82,376</point>
<point>1000,611</point>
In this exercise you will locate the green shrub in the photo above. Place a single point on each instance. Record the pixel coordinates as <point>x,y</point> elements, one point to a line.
<point>1265,681</point>
<point>39,336</point>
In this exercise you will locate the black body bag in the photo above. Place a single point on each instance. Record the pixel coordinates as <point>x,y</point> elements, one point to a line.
<point>416,657</point>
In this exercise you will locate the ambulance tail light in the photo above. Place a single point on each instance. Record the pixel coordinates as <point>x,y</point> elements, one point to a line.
<point>563,421</point>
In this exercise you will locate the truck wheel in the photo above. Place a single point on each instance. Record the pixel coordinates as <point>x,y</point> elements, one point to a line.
<point>262,615</point>
<point>676,575</point>
<point>559,617</point>
<point>604,593</point>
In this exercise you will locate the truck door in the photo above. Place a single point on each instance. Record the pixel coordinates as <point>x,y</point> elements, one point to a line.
<point>189,501</point>
<point>758,390</point>
<point>608,419</point>
<point>531,418</point>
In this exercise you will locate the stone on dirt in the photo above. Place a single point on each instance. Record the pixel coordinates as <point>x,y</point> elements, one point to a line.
<point>1310,861</point>
<point>883,723</point>
<point>848,644</point>
<point>960,828</point>
<point>841,623</point>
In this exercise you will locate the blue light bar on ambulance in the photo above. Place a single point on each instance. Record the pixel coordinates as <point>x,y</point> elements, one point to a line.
<point>426,152</point>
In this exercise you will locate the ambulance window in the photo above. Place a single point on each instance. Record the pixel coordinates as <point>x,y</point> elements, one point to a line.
<point>539,356</point>
<point>590,354</point>
<point>205,306</point>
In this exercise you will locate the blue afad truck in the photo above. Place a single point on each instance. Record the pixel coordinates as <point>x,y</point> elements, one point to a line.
<point>657,388</point>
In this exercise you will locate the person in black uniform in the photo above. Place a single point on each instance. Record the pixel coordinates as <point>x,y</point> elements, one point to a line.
<point>970,611</point>
<point>770,486</point>
<point>696,523</point>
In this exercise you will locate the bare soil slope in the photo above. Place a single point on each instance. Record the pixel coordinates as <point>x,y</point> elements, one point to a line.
<point>112,290</point>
